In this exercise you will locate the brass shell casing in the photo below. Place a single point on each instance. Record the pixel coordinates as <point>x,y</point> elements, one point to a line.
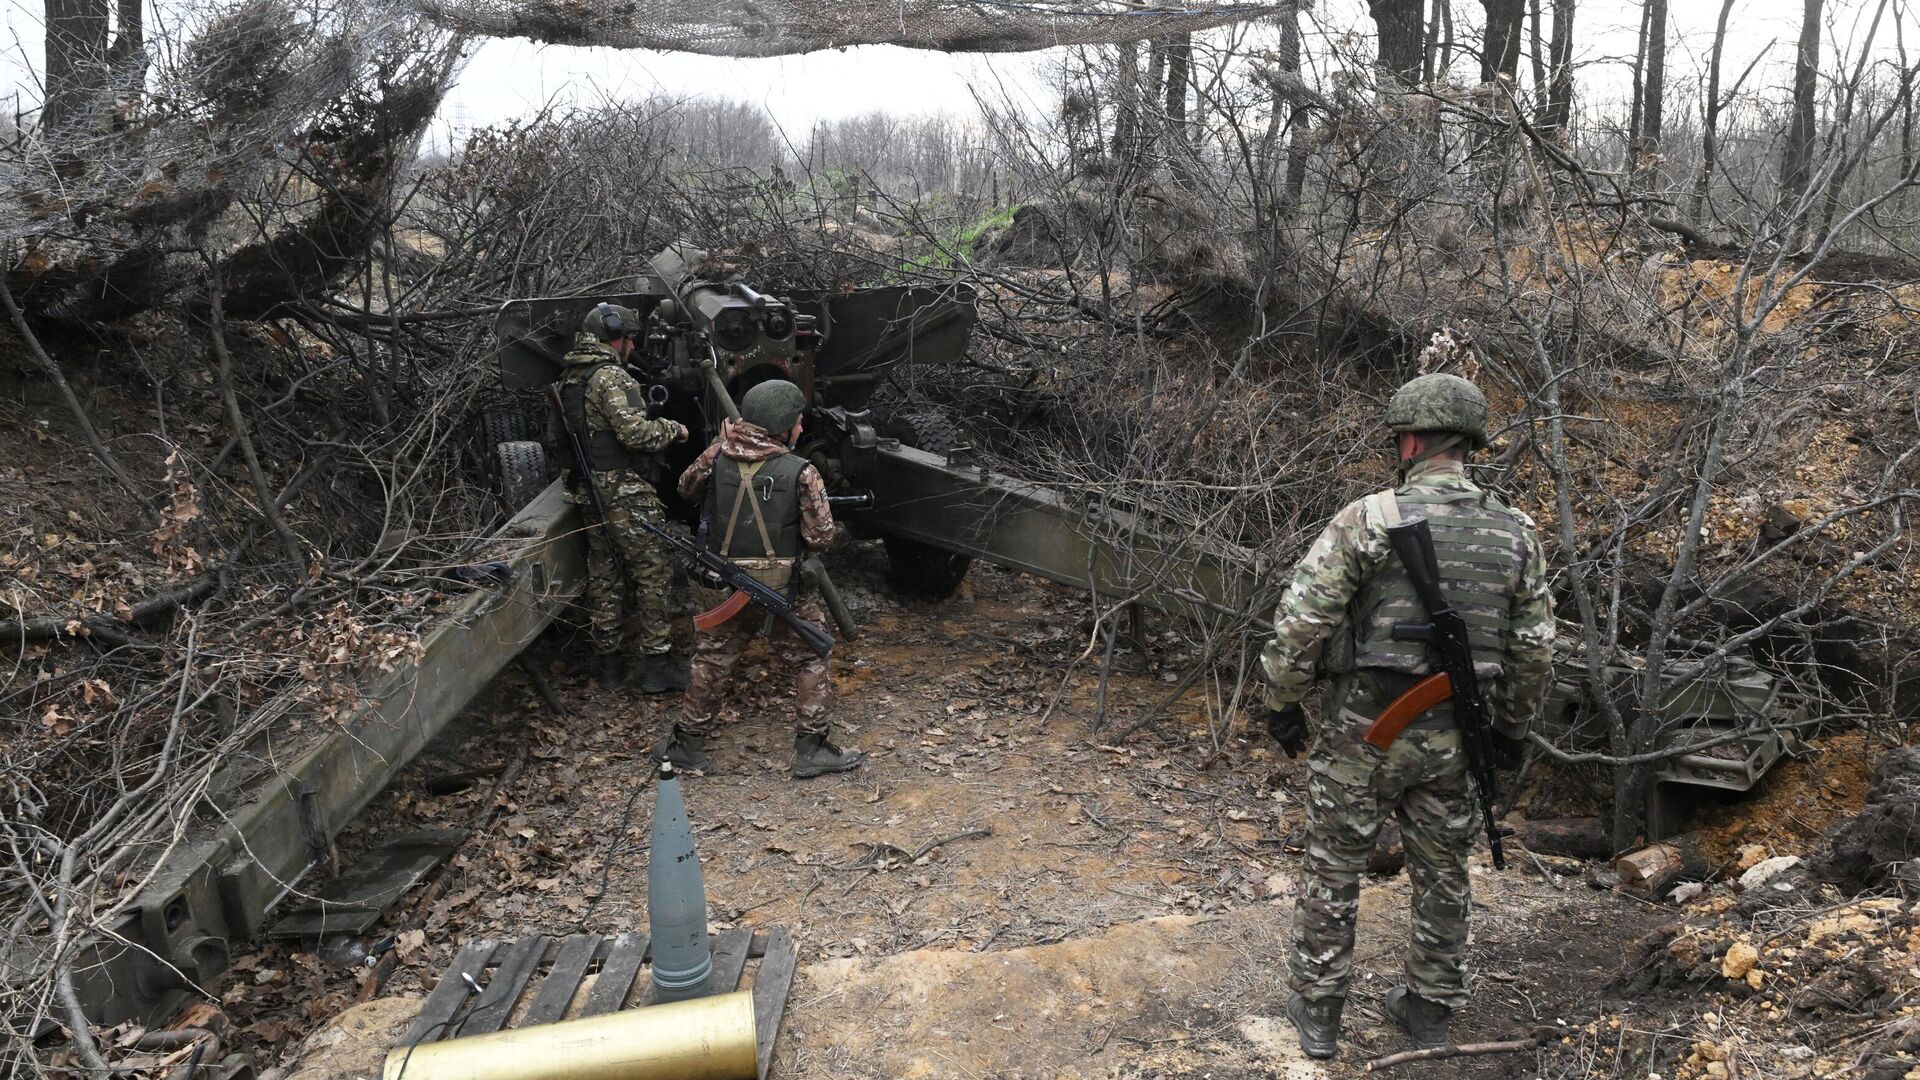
<point>707,1038</point>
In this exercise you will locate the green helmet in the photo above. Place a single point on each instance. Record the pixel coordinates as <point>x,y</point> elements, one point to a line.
<point>773,405</point>
<point>609,322</point>
<point>1440,403</point>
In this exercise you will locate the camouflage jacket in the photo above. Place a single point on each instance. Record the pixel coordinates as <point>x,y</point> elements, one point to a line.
<point>1353,548</point>
<point>609,407</point>
<point>750,442</point>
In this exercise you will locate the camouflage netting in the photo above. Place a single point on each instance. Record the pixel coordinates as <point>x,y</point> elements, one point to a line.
<point>782,27</point>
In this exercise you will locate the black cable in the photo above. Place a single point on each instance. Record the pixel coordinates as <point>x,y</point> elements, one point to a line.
<point>613,847</point>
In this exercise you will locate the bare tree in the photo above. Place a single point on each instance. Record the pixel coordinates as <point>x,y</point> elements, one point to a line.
<point>1126,94</point>
<point>76,64</point>
<point>1652,100</point>
<point>1559,99</point>
<point>1711,106</point>
<point>1400,29</point>
<point>1438,58</point>
<point>1179,50</point>
<point>1297,118</point>
<point>1501,53</point>
<point>1536,39</point>
<point>1797,161</point>
<point>1649,87</point>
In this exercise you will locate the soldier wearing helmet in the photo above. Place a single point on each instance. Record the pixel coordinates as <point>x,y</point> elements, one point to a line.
<point>1335,624</point>
<point>633,575</point>
<point>766,509</point>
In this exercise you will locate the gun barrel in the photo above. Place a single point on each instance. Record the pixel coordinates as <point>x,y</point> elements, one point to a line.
<point>719,389</point>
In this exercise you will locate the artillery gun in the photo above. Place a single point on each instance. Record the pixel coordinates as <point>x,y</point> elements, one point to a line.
<point>902,476</point>
<point>706,342</point>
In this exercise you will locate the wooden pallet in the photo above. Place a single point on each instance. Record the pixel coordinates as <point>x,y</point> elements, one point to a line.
<point>482,989</point>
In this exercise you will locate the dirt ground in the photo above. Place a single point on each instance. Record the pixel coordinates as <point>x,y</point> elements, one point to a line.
<point>1126,915</point>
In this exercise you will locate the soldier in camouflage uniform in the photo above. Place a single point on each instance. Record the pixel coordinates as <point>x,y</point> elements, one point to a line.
<point>1336,620</point>
<point>607,407</point>
<point>766,509</point>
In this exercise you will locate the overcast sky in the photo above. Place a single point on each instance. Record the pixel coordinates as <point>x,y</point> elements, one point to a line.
<point>504,79</point>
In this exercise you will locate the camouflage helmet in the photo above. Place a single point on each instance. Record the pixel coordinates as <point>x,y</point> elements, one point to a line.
<point>609,322</point>
<point>773,405</point>
<point>1440,403</point>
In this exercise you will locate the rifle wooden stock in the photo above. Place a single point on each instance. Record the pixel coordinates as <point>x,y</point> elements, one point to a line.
<point>1405,709</point>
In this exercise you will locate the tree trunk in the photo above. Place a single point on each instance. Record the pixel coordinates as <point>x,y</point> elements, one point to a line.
<point>1398,22</point>
<point>1650,102</point>
<point>1179,52</point>
<point>1559,111</point>
<point>1430,52</point>
<point>1297,122</point>
<point>127,56</point>
<point>1535,36</point>
<point>1710,133</point>
<point>76,66</point>
<point>1179,60</point>
<point>1126,94</point>
<point>1906,107</point>
<point>1150,98</point>
<point>1501,55</point>
<point>1636,105</point>
<point>1797,163</point>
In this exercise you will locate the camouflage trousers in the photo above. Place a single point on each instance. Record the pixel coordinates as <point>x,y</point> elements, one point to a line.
<point>1351,788</point>
<point>635,602</point>
<point>717,654</point>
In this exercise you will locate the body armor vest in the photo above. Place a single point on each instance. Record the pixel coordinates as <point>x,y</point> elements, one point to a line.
<point>605,451</point>
<point>756,504</point>
<point>1481,547</point>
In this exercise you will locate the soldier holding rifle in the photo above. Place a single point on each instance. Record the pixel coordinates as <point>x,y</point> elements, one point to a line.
<point>766,509</point>
<point>1426,608</point>
<point>600,409</point>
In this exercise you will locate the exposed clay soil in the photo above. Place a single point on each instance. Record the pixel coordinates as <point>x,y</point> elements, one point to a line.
<point>1127,916</point>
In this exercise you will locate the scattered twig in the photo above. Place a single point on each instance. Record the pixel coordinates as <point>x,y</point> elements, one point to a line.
<point>541,686</point>
<point>878,851</point>
<point>49,626</point>
<point>1452,1050</point>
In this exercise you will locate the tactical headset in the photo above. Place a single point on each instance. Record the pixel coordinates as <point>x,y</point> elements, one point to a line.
<point>612,326</point>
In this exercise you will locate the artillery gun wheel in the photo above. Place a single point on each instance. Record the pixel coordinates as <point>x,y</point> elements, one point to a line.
<point>915,568</point>
<point>504,425</point>
<point>523,473</point>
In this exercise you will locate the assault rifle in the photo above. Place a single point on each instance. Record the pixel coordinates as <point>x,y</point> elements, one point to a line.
<point>744,584</point>
<point>1445,633</point>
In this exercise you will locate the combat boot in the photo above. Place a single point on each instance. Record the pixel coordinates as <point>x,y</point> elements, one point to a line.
<point>686,749</point>
<point>1425,1020</point>
<point>813,756</point>
<point>663,675</point>
<point>610,670</point>
<point>1318,1023</point>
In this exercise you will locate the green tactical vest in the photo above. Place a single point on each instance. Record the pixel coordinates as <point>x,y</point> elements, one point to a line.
<point>1481,546</point>
<point>771,499</point>
<point>605,451</point>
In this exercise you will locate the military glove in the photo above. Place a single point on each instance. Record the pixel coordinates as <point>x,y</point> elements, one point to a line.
<point>1508,752</point>
<point>1288,727</point>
